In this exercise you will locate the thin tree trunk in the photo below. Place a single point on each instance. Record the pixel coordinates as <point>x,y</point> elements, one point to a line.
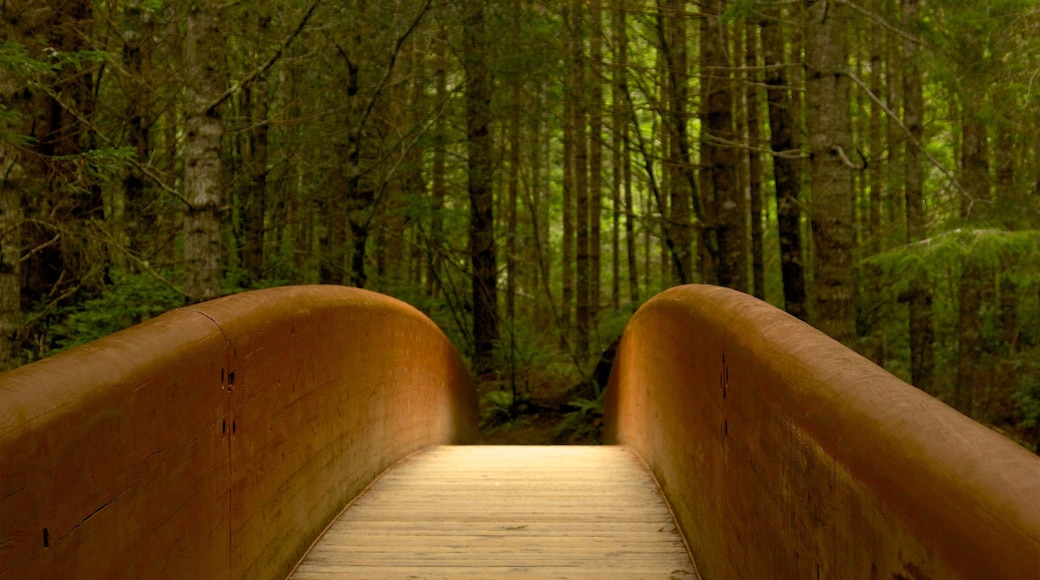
<point>254,203</point>
<point>754,161</point>
<point>970,348</point>
<point>622,148</point>
<point>674,46</point>
<point>439,183</point>
<point>1010,271</point>
<point>618,134</point>
<point>877,309</point>
<point>787,165</point>
<point>13,177</point>
<point>514,173</point>
<point>922,358</point>
<point>481,177</point>
<point>138,42</point>
<point>569,105</point>
<point>595,108</point>
<point>579,130</point>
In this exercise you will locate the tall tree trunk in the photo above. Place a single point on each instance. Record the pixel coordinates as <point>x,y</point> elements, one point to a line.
<point>203,184</point>
<point>481,178</point>
<point>439,182</point>
<point>11,217</point>
<point>253,251</point>
<point>970,347</point>
<point>595,108</point>
<point>754,139</point>
<point>254,202</point>
<point>64,261</point>
<point>567,274</point>
<point>17,102</point>
<point>512,272</point>
<point>1011,267</point>
<point>12,175</point>
<point>579,130</point>
<point>622,148</point>
<point>673,22</point>
<point>877,309</point>
<point>787,164</point>
<point>830,153</point>
<point>922,358</point>
<point>138,43</point>
<point>731,208</point>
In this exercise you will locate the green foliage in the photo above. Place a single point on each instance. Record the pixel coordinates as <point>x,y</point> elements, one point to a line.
<point>500,406</point>
<point>739,10</point>
<point>15,58</point>
<point>584,422</point>
<point>932,257</point>
<point>132,299</point>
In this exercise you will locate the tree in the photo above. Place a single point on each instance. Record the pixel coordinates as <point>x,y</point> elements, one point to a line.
<point>754,160</point>
<point>787,164</point>
<point>719,155</point>
<point>483,258</point>
<point>830,153</point>
<point>13,97</point>
<point>922,358</point>
<point>204,129</point>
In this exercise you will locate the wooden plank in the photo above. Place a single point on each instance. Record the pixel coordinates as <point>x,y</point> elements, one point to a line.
<point>485,511</point>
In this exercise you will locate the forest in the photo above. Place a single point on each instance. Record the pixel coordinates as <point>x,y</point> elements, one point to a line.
<point>527,173</point>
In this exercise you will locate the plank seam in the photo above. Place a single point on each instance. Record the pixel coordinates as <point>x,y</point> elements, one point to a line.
<point>350,503</point>
<point>668,506</point>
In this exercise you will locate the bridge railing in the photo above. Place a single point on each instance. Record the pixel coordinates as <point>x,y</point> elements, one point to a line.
<point>217,441</point>
<point>786,455</point>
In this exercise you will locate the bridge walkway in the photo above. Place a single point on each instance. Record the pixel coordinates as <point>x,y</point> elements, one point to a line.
<point>520,511</point>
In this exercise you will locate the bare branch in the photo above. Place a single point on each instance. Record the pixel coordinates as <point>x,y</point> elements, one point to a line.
<point>931,159</point>
<point>251,77</point>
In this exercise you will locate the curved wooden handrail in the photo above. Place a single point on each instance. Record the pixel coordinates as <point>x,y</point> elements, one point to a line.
<point>786,455</point>
<point>217,441</point>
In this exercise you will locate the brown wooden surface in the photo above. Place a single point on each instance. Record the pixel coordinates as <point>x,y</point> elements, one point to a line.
<point>113,457</point>
<point>506,511</point>
<point>808,460</point>
<point>217,441</point>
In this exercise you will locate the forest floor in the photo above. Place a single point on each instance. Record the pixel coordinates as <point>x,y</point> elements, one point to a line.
<point>543,413</point>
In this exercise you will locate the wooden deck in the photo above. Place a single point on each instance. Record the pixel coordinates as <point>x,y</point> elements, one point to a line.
<point>518,511</point>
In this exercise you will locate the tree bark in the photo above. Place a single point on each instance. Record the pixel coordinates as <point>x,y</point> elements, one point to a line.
<point>138,44</point>
<point>15,99</point>
<point>787,165</point>
<point>11,223</point>
<point>580,171</point>
<point>595,108</point>
<point>831,153</point>
<point>622,147</point>
<point>567,255</point>
<point>438,179</point>
<point>481,177</point>
<point>922,358</point>
<point>203,180</point>
<point>513,180</point>
<point>974,277</point>
<point>754,161</point>
<point>672,21</point>
<point>720,154</point>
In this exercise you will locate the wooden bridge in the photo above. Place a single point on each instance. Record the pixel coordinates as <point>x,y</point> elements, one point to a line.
<point>224,440</point>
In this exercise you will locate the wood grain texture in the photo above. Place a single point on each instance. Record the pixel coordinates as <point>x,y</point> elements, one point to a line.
<point>217,441</point>
<point>113,457</point>
<point>519,511</point>
<point>811,461</point>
